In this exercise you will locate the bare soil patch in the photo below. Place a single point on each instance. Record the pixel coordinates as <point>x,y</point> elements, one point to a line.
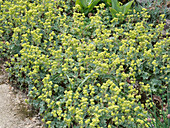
<point>14,112</point>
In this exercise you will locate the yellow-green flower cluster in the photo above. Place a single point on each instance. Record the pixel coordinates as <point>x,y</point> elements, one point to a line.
<point>84,74</point>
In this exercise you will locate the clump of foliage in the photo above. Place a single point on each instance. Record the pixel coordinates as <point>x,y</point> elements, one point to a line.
<point>85,71</point>
<point>86,5</point>
<point>117,8</point>
<point>155,9</point>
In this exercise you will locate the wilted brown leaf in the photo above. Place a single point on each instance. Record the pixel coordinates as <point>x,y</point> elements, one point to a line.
<point>168,4</point>
<point>157,100</point>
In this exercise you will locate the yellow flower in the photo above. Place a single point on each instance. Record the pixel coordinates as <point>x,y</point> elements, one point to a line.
<point>48,122</point>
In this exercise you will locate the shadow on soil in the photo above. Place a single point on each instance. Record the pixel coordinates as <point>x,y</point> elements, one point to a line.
<point>24,111</point>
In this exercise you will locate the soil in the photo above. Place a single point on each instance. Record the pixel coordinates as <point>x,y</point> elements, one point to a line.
<point>14,112</point>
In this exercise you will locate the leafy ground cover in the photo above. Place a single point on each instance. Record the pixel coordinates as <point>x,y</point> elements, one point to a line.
<point>91,69</point>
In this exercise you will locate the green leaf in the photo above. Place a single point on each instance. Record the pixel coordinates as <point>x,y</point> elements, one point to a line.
<point>113,12</point>
<point>87,77</point>
<point>85,3</point>
<point>108,2</point>
<point>121,9</point>
<point>88,2</point>
<point>82,3</point>
<point>79,2</point>
<point>94,3</point>
<point>127,6</point>
<point>115,5</point>
<point>145,75</point>
<point>71,86</point>
<point>156,82</point>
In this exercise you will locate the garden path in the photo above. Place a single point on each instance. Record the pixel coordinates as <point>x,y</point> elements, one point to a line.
<point>14,113</point>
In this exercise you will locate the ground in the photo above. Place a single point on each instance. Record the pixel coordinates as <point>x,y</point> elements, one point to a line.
<point>14,112</point>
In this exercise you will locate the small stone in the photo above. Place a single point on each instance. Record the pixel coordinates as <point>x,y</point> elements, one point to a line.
<point>34,119</point>
<point>90,14</point>
<point>168,116</point>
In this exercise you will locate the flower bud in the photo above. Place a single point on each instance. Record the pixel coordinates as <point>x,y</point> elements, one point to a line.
<point>162,120</point>
<point>149,120</point>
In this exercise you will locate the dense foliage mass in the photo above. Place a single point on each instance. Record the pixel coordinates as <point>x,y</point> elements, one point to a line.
<point>86,70</point>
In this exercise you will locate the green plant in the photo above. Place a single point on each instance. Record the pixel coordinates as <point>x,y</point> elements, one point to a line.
<point>158,115</point>
<point>117,8</point>
<point>87,5</point>
<point>155,9</point>
<point>84,71</point>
